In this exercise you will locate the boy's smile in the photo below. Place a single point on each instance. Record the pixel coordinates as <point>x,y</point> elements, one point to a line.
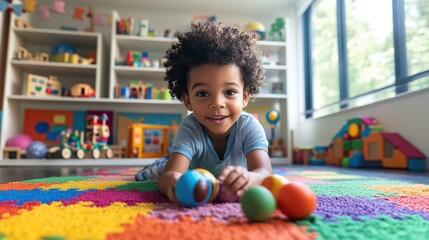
<point>216,95</point>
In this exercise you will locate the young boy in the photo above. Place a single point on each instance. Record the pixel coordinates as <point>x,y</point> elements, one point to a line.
<point>214,70</point>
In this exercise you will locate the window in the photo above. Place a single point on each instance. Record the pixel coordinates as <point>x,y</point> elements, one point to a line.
<point>325,54</point>
<point>417,35</point>
<point>361,51</point>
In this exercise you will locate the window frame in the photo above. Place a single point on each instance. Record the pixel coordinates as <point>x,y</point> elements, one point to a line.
<point>400,58</point>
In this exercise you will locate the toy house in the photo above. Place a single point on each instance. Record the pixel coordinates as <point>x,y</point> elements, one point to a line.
<point>361,142</point>
<point>147,140</point>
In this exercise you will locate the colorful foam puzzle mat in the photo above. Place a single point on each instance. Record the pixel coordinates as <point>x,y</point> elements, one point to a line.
<point>109,204</point>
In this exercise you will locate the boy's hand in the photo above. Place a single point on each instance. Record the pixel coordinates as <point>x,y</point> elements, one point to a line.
<point>235,180</point>
<point>173,178</point>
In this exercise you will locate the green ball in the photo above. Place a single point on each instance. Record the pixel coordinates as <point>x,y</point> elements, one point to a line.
<point>258,203</point>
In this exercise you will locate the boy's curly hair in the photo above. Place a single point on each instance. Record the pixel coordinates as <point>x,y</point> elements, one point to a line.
<point>213,43</point>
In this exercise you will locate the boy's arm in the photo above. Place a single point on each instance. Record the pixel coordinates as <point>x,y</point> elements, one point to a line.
<point>259,165</point>
<point>236,180</point>
<point>176,165</point>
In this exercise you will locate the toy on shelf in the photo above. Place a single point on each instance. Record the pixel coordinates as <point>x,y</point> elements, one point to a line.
<point>83,90</point>
<point>140,90</point>
<point>148,140</point>
<point>125,26</point>
<point>64,53</point>
<point>40,86</point>
<point>23,54</point>
<point>257,28</point>
<point>16,146</point>
<point>36,149</point>
<point>19,23</point>
<point>138,59</point>
<point>276,148</point>
<point>361,142</point>
<point>73,144</point>
<point>204,18</point>
<point>277,31</point>
<point>143,28</point>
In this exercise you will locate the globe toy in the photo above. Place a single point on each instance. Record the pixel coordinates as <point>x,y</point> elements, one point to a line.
<point>296,200</point>
<point>257,28</point>
<point>193,189</point>
<point>274,183</point>
<point>272,117</point>
<point>258,203</point>
<point>36,150</point>
<point>213,181</point>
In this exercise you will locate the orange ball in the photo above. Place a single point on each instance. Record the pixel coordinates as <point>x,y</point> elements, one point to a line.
<point>274,183</point>
<point>296,200</point>
<point>212,179</point>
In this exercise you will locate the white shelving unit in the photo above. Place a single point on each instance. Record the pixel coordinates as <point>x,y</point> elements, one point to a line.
<point>15,101</point>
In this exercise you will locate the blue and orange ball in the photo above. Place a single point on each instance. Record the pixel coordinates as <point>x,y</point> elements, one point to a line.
<point>193,189</point>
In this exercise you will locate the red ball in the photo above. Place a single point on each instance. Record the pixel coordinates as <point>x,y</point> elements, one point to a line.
<point>296,200</point>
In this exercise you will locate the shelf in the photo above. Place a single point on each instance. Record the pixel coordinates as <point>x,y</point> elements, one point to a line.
<point>52,37</point>
<point>76,163</point>
<point>272,44</point>
<point>275,67</point>
<point>140,72</point>
<point>55,68</point>
<point>132,42</point>
<point>94,162</point>
<point>92,101</point>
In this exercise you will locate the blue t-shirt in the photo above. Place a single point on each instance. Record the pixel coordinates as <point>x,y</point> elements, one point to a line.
<point>192,141</point>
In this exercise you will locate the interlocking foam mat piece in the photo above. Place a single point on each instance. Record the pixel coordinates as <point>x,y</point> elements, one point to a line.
<point>109,204</point>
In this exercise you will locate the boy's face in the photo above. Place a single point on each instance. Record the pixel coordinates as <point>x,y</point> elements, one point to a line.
<point>216,96</point>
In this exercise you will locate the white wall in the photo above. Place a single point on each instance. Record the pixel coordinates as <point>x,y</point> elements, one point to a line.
<point>407,115</point>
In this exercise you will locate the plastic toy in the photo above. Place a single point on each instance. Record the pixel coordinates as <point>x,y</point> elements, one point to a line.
<point>22,24</point>
<point>36,150</point>
<point>296,200</point>
<point>272,117</point>
<point>193,189</point>
<point>213,181</point>
<point>82,90</point>
<point>361,142</point>
<point>276,148</point>
<point>147,140</point>
<point>73,145</point>
<point>257,28</point>
<point>40,86</point>
<point>20,140</point>
<point>23,54</point>
<point>274,183</point>
<point>143,28</point>
<point>16,145</point>
<point>258,203</point>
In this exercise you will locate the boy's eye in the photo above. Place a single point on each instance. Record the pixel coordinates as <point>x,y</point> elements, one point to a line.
<point>230,92</point>
<point>202,94</point>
